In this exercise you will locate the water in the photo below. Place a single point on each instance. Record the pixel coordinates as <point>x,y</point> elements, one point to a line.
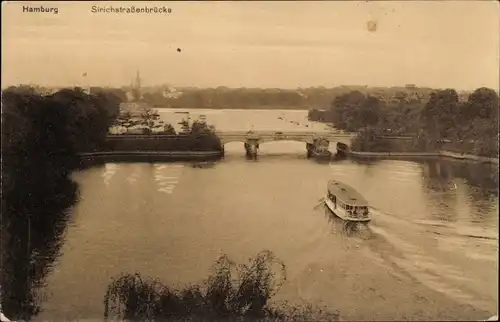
<point>430,251</point>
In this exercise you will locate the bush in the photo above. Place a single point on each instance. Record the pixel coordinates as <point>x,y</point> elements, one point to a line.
<point>231,293</point>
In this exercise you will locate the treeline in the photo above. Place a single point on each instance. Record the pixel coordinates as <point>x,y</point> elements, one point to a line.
<point>470,124</point>
<point>224,98</point>
<point>273,98</point>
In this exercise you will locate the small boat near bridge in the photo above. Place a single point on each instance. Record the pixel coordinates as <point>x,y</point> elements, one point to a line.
<point>346,203</point>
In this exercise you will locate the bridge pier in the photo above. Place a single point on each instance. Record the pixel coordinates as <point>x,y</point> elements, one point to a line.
<point>319,148</point>
<point>310,149</point>
<point>251,148</point>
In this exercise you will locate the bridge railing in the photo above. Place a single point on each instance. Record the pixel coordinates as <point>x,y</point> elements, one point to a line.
<point>281,133</point>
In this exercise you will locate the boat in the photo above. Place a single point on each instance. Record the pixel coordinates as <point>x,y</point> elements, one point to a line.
<point>346,203</point>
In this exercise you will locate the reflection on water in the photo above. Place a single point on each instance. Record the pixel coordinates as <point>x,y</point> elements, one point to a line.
<point>440,186</point>
<point>478,182</point>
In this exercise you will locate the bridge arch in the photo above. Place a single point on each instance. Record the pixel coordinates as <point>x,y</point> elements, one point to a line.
<point>316,143</point>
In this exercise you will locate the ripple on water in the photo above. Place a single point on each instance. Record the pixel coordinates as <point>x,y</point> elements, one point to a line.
<point>427,264</point>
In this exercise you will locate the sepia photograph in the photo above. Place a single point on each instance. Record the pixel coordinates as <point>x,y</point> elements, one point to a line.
<point>249,161</point>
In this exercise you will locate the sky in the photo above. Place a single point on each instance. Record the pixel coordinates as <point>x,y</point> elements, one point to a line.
<point>255,44</point>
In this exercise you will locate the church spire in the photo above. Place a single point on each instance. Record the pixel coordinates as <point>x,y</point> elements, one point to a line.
<point>136,87</point>
<point>138,80</point>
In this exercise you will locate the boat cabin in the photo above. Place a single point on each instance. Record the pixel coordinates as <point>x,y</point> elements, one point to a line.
<point>347,199</point>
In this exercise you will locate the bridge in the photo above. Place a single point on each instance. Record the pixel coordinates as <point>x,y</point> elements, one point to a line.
<point>316,142</point>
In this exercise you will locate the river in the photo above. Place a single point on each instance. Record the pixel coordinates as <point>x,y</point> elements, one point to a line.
<point>430,251</point>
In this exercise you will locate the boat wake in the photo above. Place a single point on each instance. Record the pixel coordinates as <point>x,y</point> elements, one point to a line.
<point>438,256</point>
<point>321,203</point>
<point>406,247</point>
<point>448,228</point>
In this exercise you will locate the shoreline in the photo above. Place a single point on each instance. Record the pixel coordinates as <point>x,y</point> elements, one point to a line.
<point>439,154</point>
<point>149,156</point>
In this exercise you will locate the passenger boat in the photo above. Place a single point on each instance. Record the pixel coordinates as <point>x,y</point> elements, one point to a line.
<point>345,202</point>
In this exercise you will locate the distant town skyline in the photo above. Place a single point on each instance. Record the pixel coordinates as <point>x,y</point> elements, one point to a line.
<point>255,44</point>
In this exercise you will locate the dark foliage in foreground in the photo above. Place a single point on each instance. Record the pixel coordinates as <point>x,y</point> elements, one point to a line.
<point>231,293</point>
<point>42,134</point>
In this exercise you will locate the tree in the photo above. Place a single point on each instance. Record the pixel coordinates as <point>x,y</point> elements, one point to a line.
<point>108,101</point>
<point>483,103</point>
<point>345,108</point>
<point>369,114</point>
<point>126,120</point>
<point>481,113</point>
<point>185,127</point>
<point>169,129</point>
<point>441,113</point>
<point>370,111</point>
<point>150,119</point>
<point>89,120</point>
<point>16,125</point>
<point>118,93</point>
<point>203,137</point>
<point>354,110</point>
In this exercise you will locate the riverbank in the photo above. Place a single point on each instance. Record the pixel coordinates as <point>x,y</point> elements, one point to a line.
<point>439,154</point>
<point>155,148</point>
<point>92,158</point>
